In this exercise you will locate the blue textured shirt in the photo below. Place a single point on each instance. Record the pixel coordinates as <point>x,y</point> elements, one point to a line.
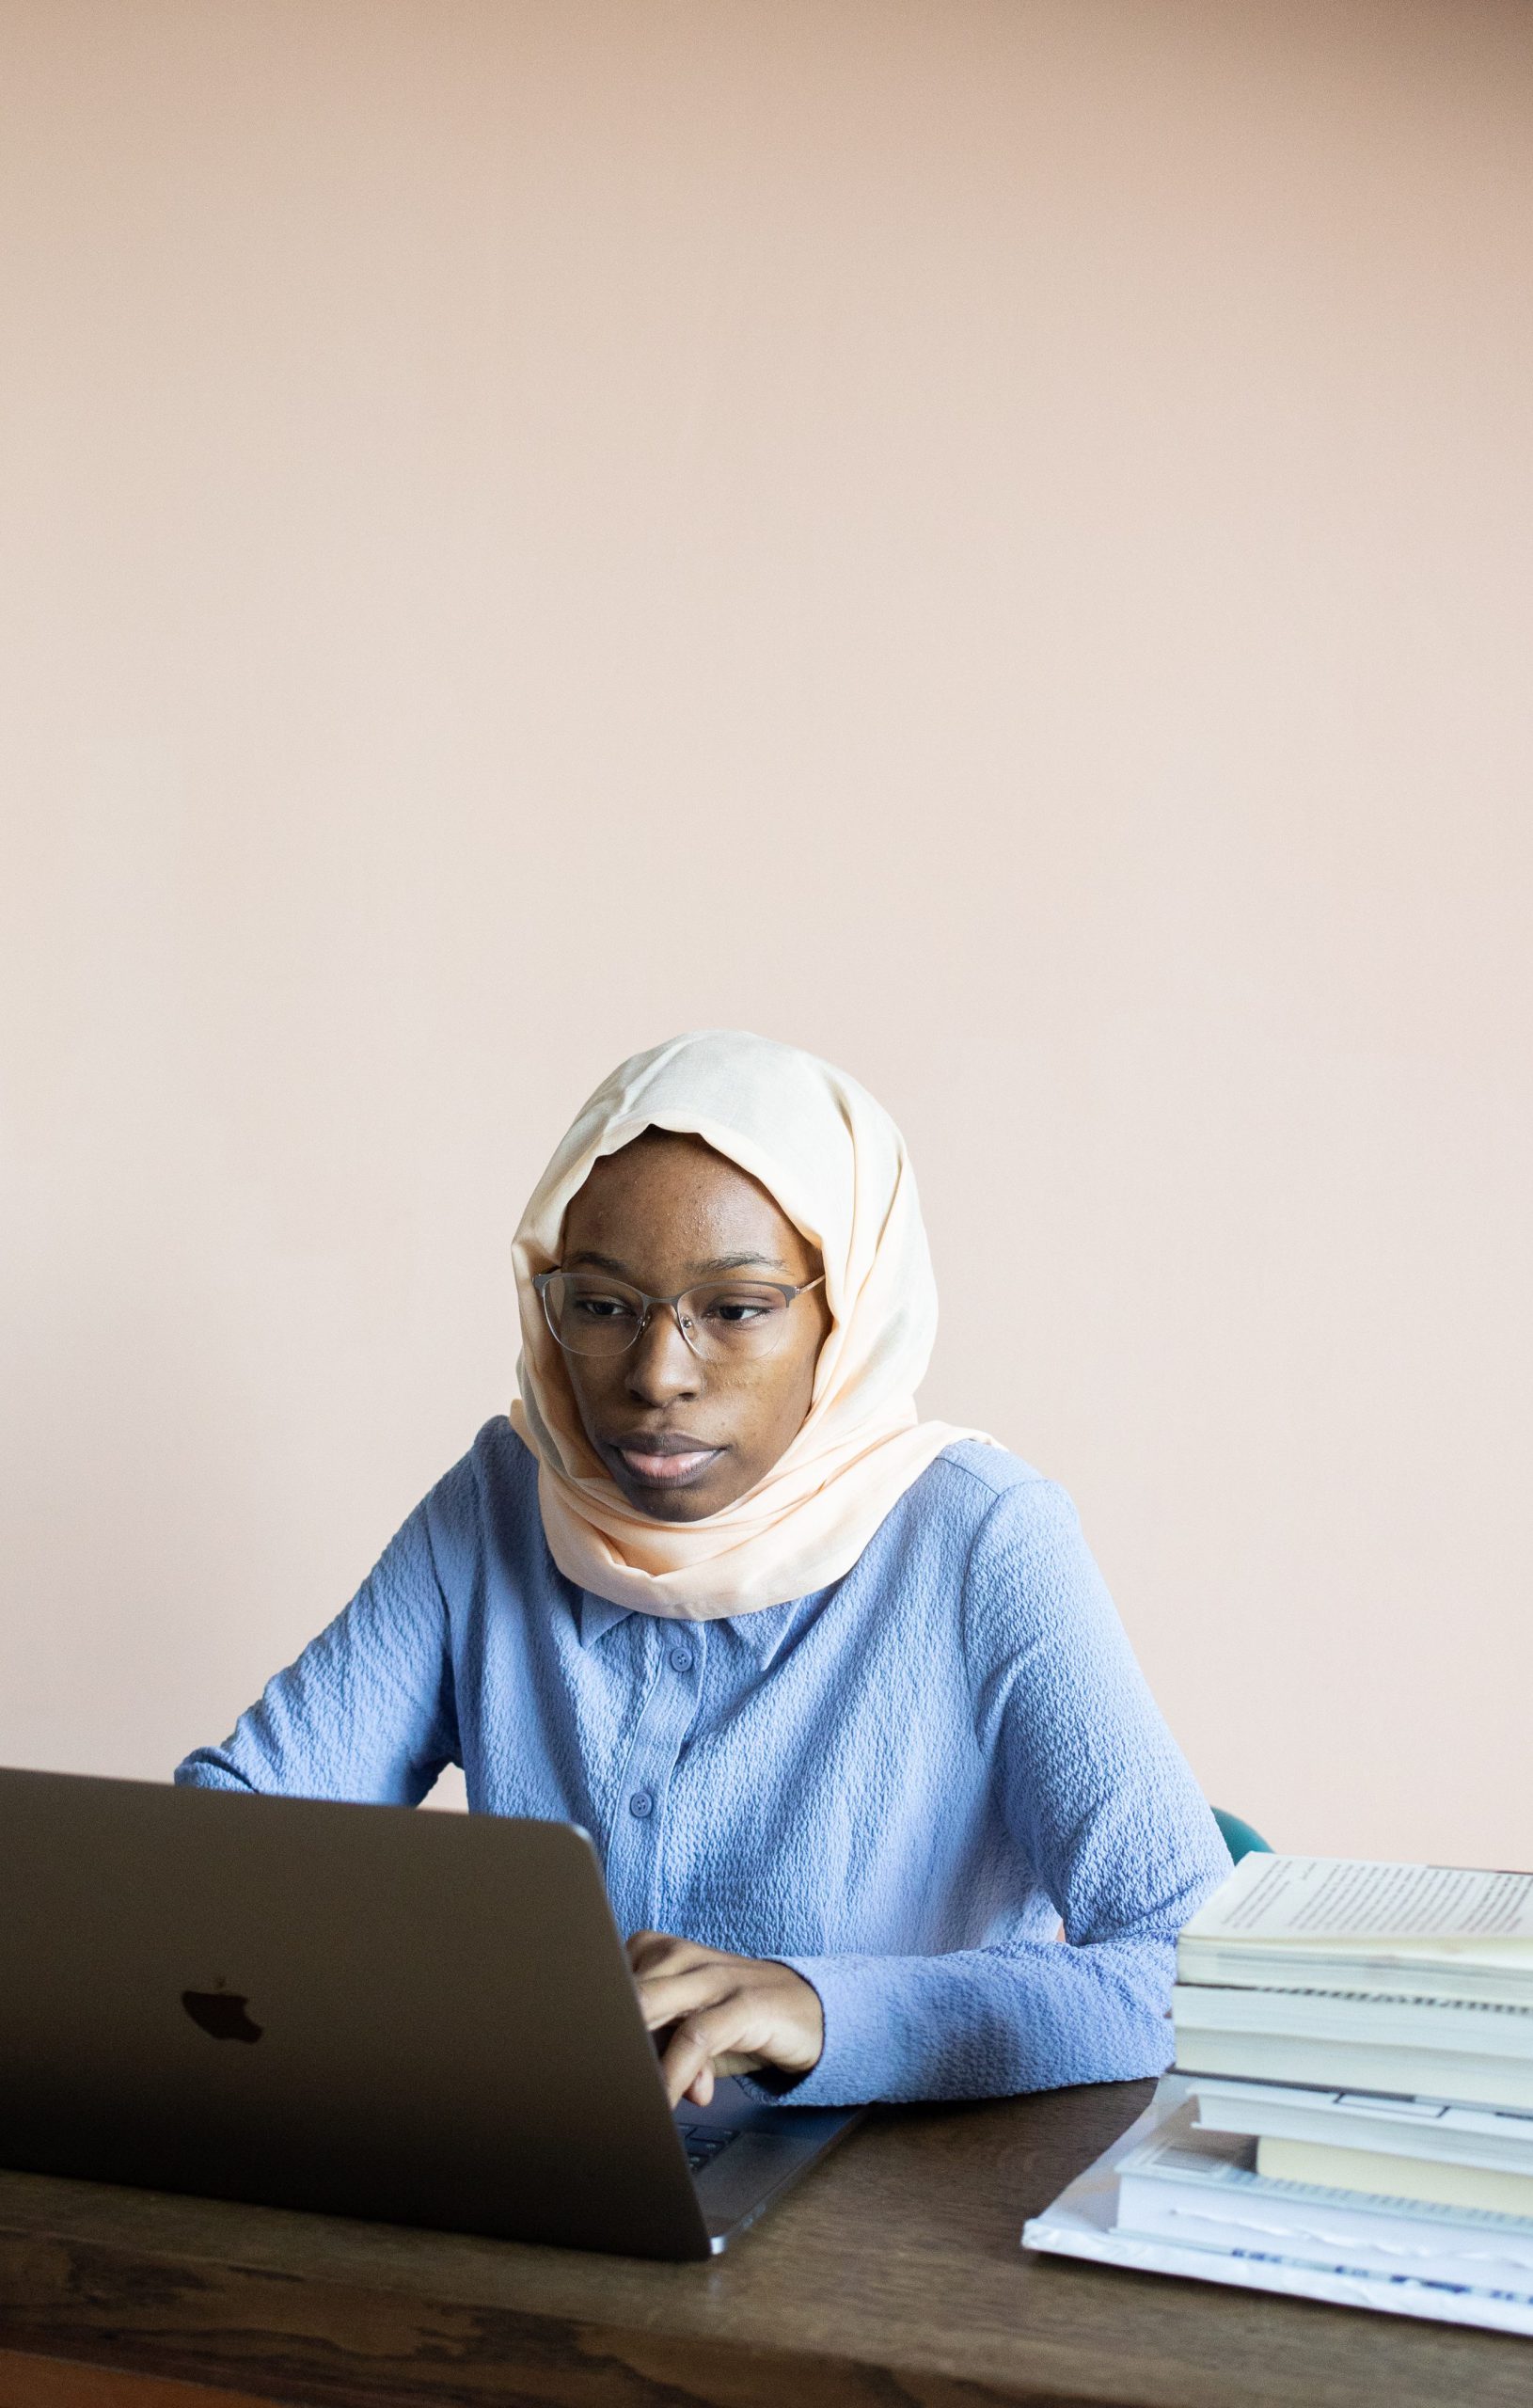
<point>898,1785</point>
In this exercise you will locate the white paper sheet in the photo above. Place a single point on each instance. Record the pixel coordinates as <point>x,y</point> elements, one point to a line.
<point>1080,2224</point>
<point>1199,2189</point>
<point>1323,1899</point>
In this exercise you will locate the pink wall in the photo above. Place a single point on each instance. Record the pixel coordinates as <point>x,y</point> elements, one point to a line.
<point>989,540</point>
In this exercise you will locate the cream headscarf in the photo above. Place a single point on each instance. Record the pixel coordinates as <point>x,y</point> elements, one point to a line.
<point>836,1165</point>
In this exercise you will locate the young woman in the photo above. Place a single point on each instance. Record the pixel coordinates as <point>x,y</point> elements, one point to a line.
<point>839,1693</point>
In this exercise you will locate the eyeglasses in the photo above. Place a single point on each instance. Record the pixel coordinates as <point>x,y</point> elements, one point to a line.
<point>722,1322</point>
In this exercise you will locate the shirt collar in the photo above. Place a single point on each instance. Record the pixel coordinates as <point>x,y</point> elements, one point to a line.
<point>760,1634</point>
<point>595,1617</point>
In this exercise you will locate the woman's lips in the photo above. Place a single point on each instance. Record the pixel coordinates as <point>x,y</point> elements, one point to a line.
<point>668,1471</point>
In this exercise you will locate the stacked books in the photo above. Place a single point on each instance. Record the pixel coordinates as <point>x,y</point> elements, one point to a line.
<point>1351,2113</point>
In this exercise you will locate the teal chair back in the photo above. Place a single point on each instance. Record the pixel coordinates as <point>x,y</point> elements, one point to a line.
<point>1240,1838</point>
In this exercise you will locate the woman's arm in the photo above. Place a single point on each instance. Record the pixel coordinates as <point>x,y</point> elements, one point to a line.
<point>366,1711</point>
<point>1098,1797</point>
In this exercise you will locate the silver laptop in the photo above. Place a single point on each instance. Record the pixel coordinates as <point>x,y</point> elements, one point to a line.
<point>427,2018</point>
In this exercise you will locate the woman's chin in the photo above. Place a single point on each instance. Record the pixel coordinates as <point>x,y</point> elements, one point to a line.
<point>686,1505</point>
<point>693,1504</point>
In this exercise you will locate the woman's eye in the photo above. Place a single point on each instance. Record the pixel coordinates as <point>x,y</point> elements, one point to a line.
<point>734,1311</point>
<point>600,1307</point>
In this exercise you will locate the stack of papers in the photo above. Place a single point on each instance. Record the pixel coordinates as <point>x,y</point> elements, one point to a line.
<point>1351,2116</point>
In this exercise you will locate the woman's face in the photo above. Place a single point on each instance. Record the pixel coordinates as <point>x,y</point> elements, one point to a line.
<point>664,1214</point>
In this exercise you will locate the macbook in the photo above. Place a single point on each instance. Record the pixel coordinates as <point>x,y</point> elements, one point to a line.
<point>367,2010</point>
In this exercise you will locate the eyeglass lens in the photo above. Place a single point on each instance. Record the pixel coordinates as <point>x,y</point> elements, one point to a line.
<point>590,1315</point>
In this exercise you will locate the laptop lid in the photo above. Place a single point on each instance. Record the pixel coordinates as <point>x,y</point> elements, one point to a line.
<point>362,2009</point>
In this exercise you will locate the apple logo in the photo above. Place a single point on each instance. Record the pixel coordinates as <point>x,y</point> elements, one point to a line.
<point>221,2013</point>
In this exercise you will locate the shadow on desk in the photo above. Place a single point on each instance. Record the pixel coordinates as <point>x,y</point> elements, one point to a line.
<point>893,2275</point>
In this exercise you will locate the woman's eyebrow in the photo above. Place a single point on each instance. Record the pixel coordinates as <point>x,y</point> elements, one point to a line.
<point>719,1263</point>
<point>738,1262</point>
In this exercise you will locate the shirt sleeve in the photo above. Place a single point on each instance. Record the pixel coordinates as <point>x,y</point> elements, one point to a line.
<point>367,1712</point>
<point>1096,1795</point>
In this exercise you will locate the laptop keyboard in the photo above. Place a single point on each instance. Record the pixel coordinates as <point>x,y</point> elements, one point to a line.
<point>703,2143</point>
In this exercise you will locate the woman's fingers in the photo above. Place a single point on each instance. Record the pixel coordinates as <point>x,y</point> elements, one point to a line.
<point>665,1997</point>
<point>721,2015</point>
<point>660,1951</point>
<point>688,2061</point>
<point>755,2023</point>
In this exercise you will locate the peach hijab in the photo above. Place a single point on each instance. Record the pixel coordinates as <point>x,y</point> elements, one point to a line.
<point>836,1165</point>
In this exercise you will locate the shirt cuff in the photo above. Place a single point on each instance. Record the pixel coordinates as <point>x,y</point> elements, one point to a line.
<point>859,2058</point>
<point>980,2024</point>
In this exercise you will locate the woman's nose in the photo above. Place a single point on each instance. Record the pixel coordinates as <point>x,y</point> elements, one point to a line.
<point>661,1364</point>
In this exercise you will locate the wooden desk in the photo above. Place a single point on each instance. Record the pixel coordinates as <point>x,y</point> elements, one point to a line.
<point>893,2275</point>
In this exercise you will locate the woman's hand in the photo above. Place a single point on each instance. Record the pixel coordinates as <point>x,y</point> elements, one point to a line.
<point>722,2015</point>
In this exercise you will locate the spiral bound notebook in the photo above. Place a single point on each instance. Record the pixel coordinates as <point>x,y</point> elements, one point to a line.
<point>1083,2223</point>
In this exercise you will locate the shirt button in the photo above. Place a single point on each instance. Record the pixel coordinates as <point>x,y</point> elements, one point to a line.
<point>681,1659</point>
<point>641,1803</point>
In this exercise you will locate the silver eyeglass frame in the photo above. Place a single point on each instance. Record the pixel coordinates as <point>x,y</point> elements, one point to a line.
<point>543,1280</point>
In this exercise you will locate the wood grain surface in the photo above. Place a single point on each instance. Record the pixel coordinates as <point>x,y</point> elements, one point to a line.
<point>893,2275</point>
<point>28,2381</point>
